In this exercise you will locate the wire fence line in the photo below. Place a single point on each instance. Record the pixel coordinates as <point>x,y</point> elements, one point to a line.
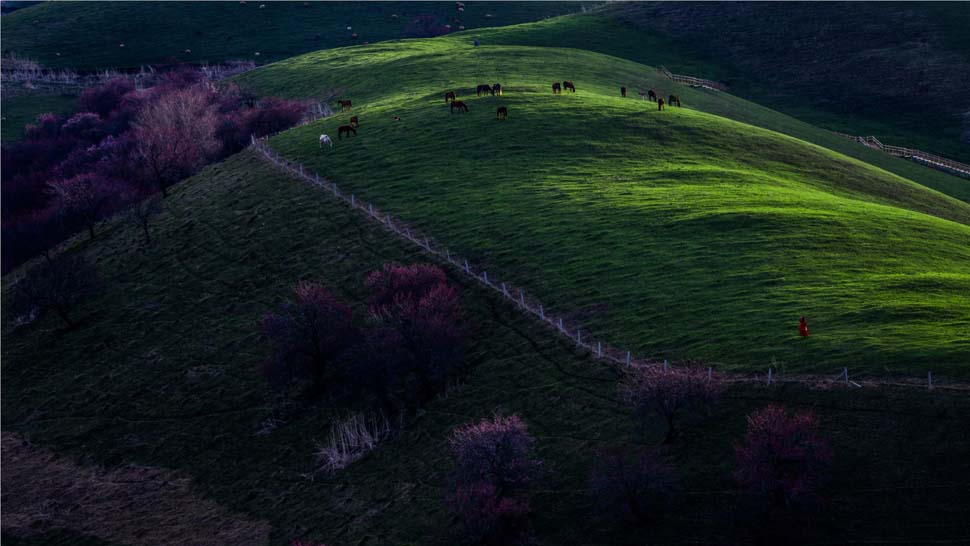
<point>930,160</point>
<point>554,321</point>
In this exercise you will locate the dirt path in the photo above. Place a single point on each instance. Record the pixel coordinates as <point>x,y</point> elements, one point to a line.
<point>132,505</point>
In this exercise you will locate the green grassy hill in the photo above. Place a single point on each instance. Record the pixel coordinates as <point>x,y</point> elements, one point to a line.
<point>163,371</point>
<point>897,71</point>
<point>20,111</point>
<point>675,233</point>
<point>87,36</point>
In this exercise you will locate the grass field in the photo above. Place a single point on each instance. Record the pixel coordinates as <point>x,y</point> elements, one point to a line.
<point>88,37</point>
<point>22,110</point>
<point>162,371</point>
<point>675,233</point>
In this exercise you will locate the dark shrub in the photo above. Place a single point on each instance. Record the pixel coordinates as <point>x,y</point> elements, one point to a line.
<point>634,483</point>
<point>669,393</point>
<point>105,99</point>
<point>57,285</point>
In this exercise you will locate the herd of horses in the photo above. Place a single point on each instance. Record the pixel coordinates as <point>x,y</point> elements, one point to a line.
<point>451,98</point>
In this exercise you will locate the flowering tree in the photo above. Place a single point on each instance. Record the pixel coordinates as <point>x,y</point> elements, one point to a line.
<point>634,483</point>
<point>669,393</point>
<point>308,335</point>
<point>495,469</point>
<point>422,308</point>
<point>174,136</point>
<point>87,198</point>
<point>782,458</point>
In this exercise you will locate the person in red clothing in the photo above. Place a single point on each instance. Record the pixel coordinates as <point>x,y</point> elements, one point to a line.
<point>803,327</point>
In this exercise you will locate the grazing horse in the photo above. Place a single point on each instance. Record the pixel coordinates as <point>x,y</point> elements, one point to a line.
<point>623,92</point>
<point>497,89</point>
<point>345,104</point>
<point>568,85</point>
<point>345,129</point>
<point>674,101</point>
<point>354,121</point>
<point>484,89</point>
<point>652,95</point>
<point>660,103</point>
<point>502,113</point>
<point>458,105</point>
<point>556,88</point>
<point>325,139</point>
<point>450,96</point>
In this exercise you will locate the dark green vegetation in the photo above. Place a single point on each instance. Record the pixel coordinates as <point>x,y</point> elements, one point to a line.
<point>163,371</point>
<point>22,110</point>
<point>675,233</point>
<point>88,36</point>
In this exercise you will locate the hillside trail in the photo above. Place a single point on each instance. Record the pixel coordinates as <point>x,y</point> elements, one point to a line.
<point>132,505</point>
<point>555,323</point>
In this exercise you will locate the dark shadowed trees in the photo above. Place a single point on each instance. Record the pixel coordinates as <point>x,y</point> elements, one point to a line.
<point>635,484</point>
<point>669,393</point>
<point>58,284</point>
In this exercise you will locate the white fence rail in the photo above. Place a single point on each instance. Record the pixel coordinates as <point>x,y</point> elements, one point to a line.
<point>930,160</point>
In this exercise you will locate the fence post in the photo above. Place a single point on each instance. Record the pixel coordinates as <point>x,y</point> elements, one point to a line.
<point>353,200</point>
<point>334,186</point>
<point>579,336</point>
<point>560,324</point>
<point>448,255</point>
<point>485,276</point>
<point>318,179</point>
<point>370,209</point>
<point>708,374</point>
<point>521,298</point>
<point>466,267</point>
<point>769,376</point>
<point>628,359</point>
<point>845,374</point>
<point>505,290</point>
<point>599,349</point>
<point>929,379</point>
<point>666,366</point>
<point>542,314</point>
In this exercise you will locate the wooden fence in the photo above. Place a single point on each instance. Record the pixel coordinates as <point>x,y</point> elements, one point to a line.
<point>692,81</point>
<point>930,160</point>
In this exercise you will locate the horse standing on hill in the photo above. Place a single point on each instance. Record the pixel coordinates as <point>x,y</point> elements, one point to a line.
<point>502,113</point>
<point>623,92</point>
<point>345,104</point>
<point>568,85</point>
<point>484,89</point>
<point>556,88</point>
<point>354,121</point>
<point>345,130</point>
<point>674,101</point>
<point>325,139</point>
<point>450,96</point>
<point>497,89</point>
<point>660,104</point>
<point>652,95</point>
<point>458,105</point>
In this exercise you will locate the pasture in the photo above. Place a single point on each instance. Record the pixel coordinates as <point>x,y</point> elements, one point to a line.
<point>163,371</point>
<point>676,233</point>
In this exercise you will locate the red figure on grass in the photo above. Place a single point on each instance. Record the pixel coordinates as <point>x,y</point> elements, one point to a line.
<point>803,327</point>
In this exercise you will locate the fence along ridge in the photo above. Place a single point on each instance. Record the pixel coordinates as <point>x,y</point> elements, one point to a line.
<point>930,160</point>
<point>692,80</point>
<point>523,301</point>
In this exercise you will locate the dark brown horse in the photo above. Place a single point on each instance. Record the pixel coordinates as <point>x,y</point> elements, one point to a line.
<point>660,103</point>
<point>502,113</point>
<point>652,95</point>
<point>345,129</point>
<point>556,88</point>
<point>484,89</point>
<point>568,85</point>
<point>354,121</point>
<point>497,89</point>
<point>450,96</point>
<point>345,104</point>
<point>458,105</point>
<point>674,101</point>
<point>623,92</point>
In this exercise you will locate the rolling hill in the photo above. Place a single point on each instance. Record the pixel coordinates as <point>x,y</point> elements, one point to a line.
<point>676,233</point>
<point>163,371</point>
<point>84,36</point>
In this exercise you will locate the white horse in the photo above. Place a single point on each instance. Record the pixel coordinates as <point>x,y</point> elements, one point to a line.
<point>324,139</point>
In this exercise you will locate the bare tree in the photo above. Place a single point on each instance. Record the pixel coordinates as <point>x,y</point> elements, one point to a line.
<point>58,285</point>
<point>669,393</point>
<point>175,135</point>
<point>141,213</point>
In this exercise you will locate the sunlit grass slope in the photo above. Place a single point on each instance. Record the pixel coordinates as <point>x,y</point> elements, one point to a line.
<point>676,233</point>
<point>163,371</point>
